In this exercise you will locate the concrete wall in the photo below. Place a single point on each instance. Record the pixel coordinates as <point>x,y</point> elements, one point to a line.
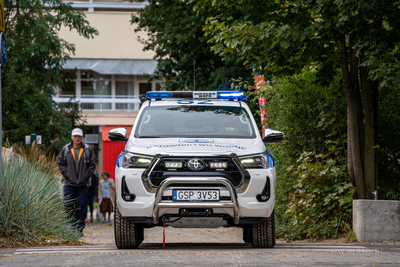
<point>376,220</point>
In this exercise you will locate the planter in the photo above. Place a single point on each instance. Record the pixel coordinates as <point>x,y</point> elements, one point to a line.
<point>376,220</point>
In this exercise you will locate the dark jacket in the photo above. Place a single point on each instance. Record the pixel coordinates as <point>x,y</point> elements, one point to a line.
<point>66,165</point>
<point>93,185</point>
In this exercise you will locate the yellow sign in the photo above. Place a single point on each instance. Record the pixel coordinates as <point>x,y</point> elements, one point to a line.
<point>2,22</point>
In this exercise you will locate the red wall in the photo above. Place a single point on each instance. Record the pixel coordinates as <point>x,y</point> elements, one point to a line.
<point>111,149</point>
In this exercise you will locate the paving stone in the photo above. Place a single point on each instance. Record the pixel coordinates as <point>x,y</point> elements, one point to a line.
<point>215,258</point>
<point>232,253</point>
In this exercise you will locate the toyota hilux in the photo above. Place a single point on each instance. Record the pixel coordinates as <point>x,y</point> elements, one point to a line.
<point>195,160</point>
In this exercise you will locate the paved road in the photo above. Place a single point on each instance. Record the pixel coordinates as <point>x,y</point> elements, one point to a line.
<point>199,247</point>
<point>199,256</point>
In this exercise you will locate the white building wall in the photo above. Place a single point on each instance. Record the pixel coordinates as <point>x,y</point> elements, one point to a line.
<point>116,40</point>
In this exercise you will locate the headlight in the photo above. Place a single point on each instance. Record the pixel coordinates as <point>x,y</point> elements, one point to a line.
<point>130,160</point>
<point>256,161</point>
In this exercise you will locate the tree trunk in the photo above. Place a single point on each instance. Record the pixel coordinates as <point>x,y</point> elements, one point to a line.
<point>354,147</point>
<point>369,89</point>
<point>354,73</point>
<point>350,168</point>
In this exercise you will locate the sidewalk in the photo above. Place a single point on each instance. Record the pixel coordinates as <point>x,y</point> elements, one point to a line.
<point>98,233</point>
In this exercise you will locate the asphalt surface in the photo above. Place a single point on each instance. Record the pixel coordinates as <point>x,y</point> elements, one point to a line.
<point>199,247</point>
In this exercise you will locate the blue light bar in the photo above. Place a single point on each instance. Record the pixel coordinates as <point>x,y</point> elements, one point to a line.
<point>153,94</point>
<point>230,95</point>
<point>196,94</point>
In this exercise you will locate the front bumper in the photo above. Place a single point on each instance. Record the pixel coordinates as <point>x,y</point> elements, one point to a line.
<point>232,204</point>
<point>149,206</point>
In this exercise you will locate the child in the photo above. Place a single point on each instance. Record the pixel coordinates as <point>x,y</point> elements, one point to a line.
<point>106,187</point>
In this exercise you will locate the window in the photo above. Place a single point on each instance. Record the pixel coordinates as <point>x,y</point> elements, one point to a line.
<point>124,89</point>
<point>94,85</point>
<point>68,88</point>
<point>143,88</point>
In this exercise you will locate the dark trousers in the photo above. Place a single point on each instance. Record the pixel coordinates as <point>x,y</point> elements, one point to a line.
<point>90,203</point>
<point>76,203</point>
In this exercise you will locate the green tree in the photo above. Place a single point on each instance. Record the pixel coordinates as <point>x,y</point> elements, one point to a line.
<point>36,55</point>
<point>313,196</point>
<point>283,36</point>
<point>183,53</point>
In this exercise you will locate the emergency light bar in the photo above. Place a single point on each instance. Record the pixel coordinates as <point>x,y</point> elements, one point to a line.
<point>230,95</point>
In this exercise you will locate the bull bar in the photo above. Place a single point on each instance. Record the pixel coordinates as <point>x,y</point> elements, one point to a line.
<point>196,180</point>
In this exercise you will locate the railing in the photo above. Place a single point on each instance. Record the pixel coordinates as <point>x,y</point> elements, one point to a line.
<point>91,5</point>
<point>103,103</point>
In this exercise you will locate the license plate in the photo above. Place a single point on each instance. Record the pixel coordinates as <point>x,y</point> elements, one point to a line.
<point>205,94</point>
<point>195,195</point>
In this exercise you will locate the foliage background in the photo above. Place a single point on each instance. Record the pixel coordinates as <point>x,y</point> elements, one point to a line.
<point>389,144</point>
<point>313,198</point>
<point>283,37</point>
<point>175,34</point>
<point>36,55</point>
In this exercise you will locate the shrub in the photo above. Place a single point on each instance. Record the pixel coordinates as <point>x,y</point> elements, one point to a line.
<point>321,199</point>
<point>40,155</point>
<point>31,206</point>
<point>313,118</point>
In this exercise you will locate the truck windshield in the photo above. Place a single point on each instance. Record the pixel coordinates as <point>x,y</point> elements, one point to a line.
<point>195,121</point>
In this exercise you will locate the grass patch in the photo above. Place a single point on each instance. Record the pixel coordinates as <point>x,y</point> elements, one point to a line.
<point>349,233</point>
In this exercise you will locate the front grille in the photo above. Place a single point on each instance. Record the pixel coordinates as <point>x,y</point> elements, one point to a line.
<point>231,172</point>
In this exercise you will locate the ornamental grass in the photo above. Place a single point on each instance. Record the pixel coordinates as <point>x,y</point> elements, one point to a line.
<point>31,206</point>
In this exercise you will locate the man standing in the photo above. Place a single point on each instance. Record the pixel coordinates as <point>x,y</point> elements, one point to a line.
<point>76,163</point>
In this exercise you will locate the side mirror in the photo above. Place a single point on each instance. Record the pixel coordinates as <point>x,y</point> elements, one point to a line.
<point>273,136</point>
<point>118,134</point>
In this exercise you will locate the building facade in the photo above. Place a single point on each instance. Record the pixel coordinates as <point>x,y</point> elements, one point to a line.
<point>107,73</point>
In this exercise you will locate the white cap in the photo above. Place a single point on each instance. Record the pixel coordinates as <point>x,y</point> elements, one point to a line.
<point>77,131</point>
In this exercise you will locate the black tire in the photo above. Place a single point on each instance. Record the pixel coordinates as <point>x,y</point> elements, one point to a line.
<point>127,234</point>
<point>247,234</point>
<point>264,233</point>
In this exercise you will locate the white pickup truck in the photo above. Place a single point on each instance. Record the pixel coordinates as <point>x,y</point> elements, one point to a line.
<point>195,160</point>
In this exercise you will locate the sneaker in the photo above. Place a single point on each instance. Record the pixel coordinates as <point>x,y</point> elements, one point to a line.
<point>109,220</point>
<point>104,221</point>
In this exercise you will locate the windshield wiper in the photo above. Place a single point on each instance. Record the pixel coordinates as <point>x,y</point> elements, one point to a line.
<point>150,136</point>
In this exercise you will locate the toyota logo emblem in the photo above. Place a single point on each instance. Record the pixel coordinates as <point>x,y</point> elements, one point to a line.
<point>196,164</point>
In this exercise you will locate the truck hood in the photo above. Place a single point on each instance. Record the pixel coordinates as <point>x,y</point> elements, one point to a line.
<point>195,146</point>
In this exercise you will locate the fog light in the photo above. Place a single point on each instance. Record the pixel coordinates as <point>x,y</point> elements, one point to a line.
<point>129,197</point>
<point>171,164</point>
<point>218,165</point>
<point>262,197</point>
